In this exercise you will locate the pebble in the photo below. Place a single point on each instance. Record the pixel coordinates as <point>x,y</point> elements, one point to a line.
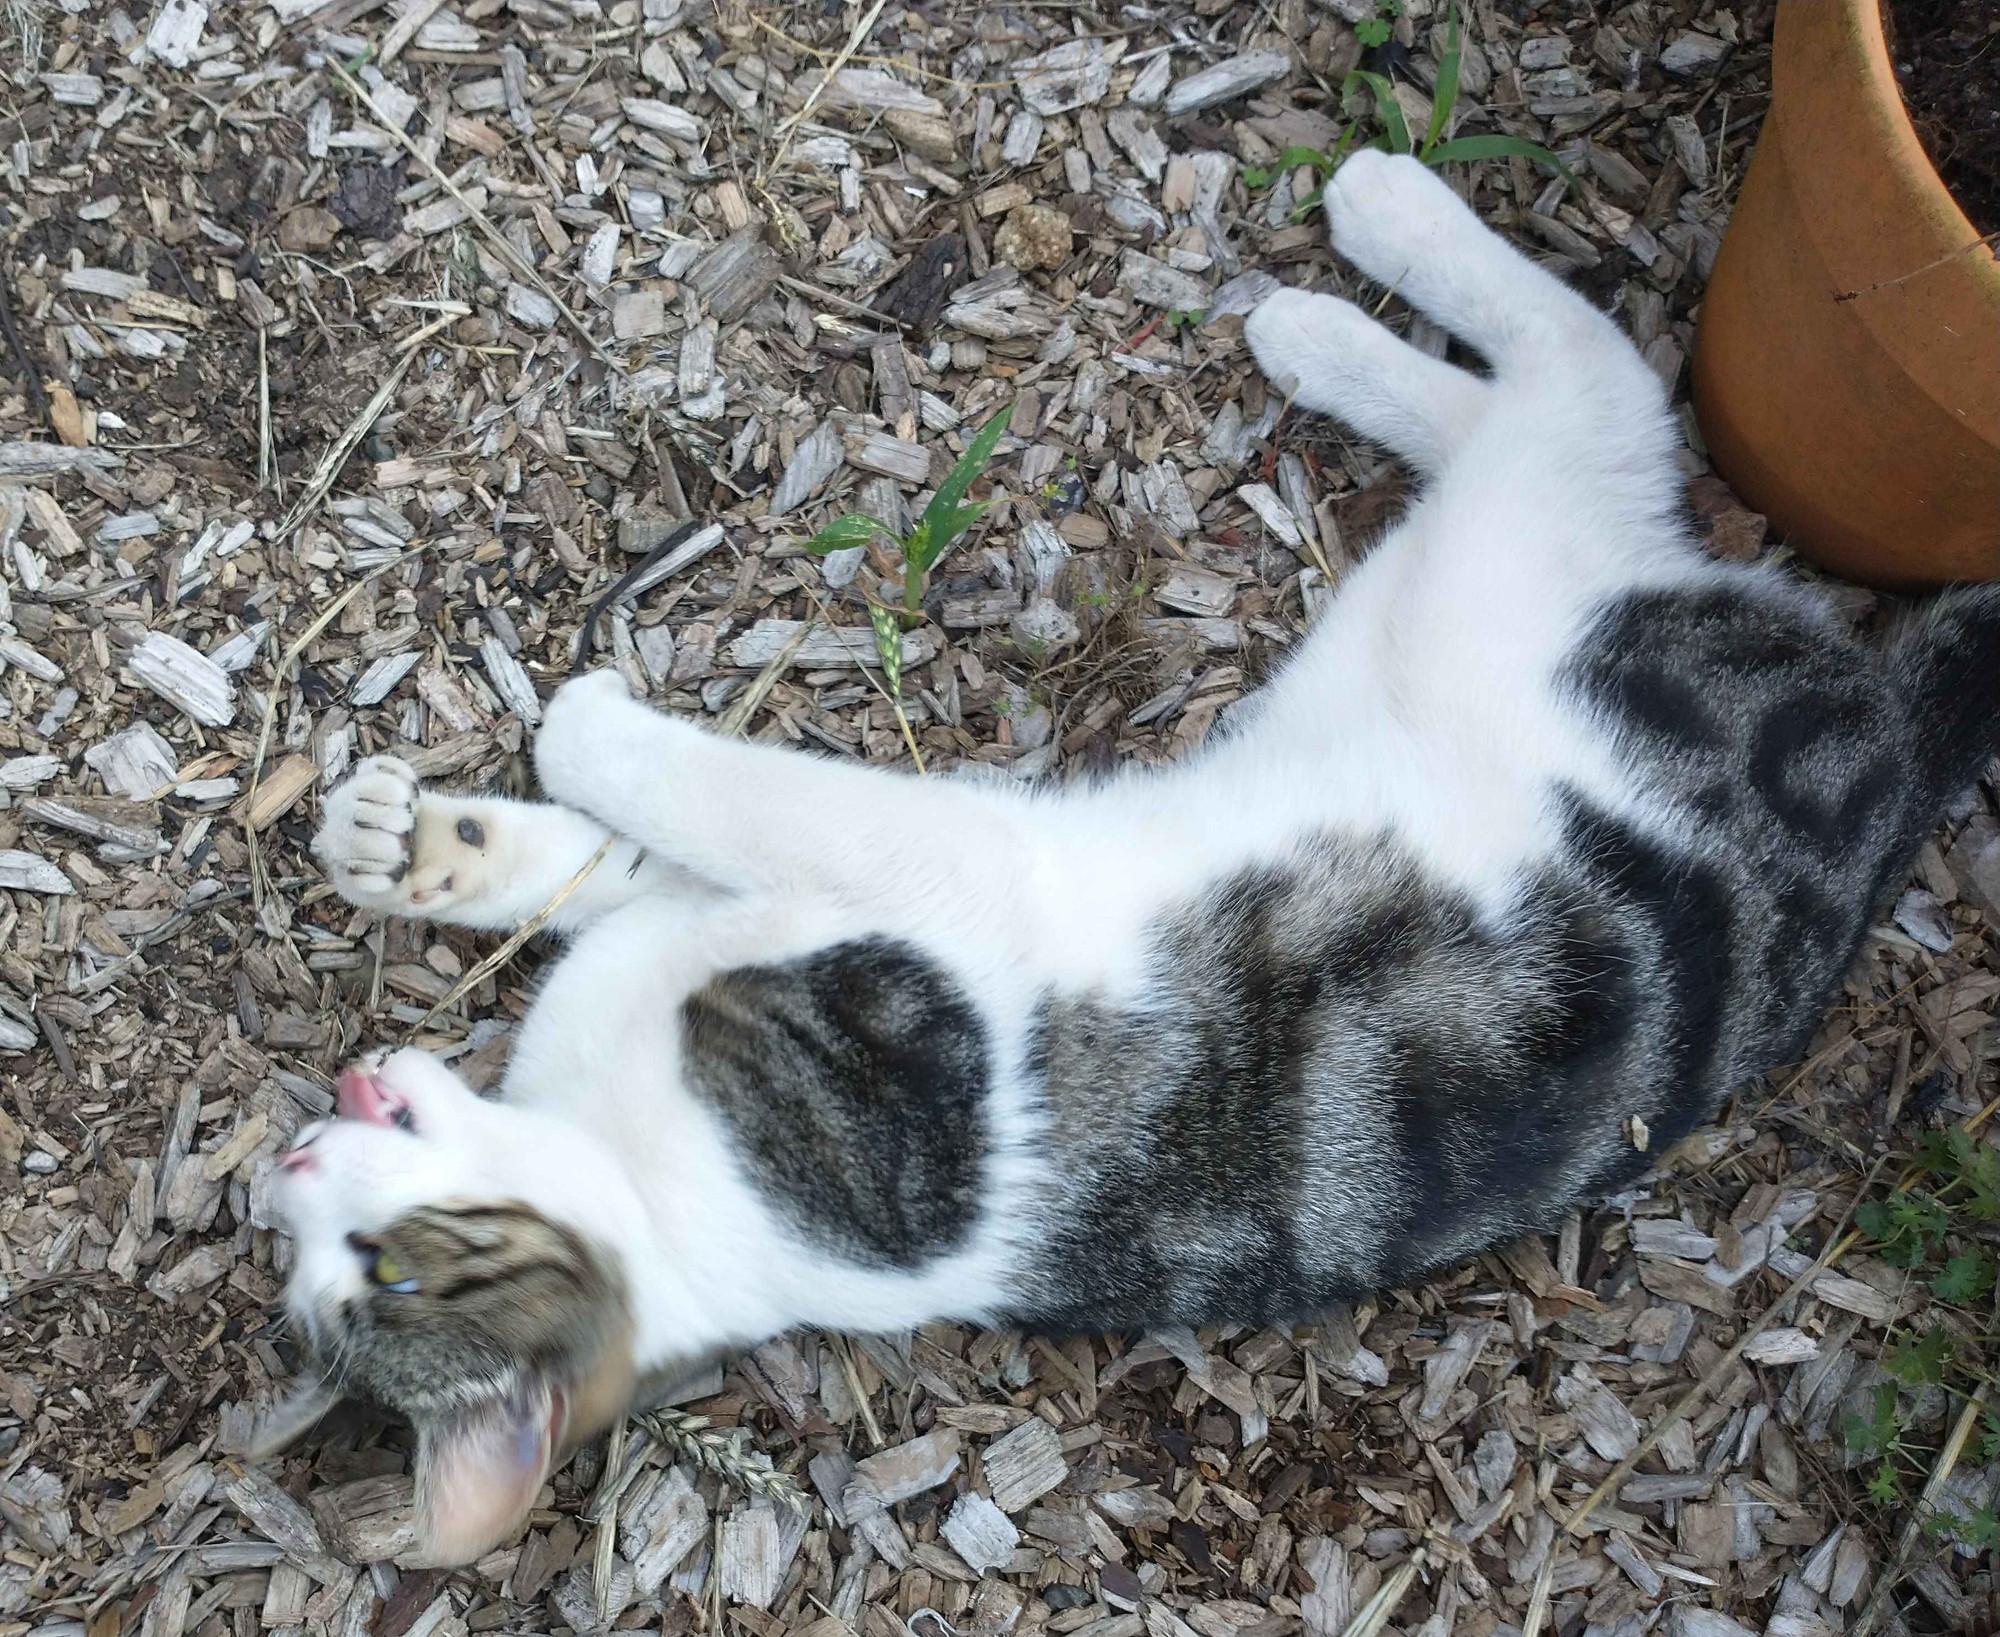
<point>1033,236</point>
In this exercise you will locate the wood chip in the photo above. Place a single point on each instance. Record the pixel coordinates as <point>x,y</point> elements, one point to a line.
<point>981,1534</point>
<point>1024,1465</point>
<point>186,679</point>
<point>1225,81</point>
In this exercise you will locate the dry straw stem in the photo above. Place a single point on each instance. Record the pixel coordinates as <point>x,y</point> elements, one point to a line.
<point>839,62</point>
<point>477,217</point>
<point>1374,1614</point>
<point>1926,1507</point>
<point>1839,1243</point>
<point>326,617</point>
<point>607,1527</point>
<point>845,1353</point>
<point>736,719</point>
<point>343,446</point>
<point>521,934</point>
<point>267,454</point>
<point>25,23</point>
<point>1986,240</point>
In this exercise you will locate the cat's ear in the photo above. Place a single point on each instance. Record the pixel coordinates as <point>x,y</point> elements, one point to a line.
<point>478,1471</point>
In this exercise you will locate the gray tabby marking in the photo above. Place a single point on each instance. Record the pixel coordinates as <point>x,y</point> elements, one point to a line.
<point>854,1081</point>
<point>1343,1078</point>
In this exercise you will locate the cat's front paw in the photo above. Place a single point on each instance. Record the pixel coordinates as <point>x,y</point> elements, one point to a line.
<point>594,729</point>
<point>376,848</point>
<point>1388,212</point>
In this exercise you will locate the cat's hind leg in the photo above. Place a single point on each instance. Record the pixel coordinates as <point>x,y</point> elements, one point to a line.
<point>1331,357</point>
<point>1397,220</point>
<point>390,845</point>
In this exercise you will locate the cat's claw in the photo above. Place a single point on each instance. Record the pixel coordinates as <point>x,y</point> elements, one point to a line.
<point>368,840</point>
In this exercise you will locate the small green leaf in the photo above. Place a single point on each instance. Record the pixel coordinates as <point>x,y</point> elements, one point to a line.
<point>1989,1438</point>
<point>1944,1153</point>
<point>1387,108</point>
<point>1497,147</point>
<point>1982,1176</point>
<point>855,529</point>
<point>946,517</point>
<point>1445,92</point>
<point>1905,1226</point>
<point>1980,1531</point>
<point>1918,1361</point>
<point>1965,1279</point>
<point>1883,1489</point>
<point>1372,32</point>
<point>1262,176</point>
<point>1875,1432</point>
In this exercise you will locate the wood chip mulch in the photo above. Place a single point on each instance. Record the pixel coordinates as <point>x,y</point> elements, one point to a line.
<point>350,352</point>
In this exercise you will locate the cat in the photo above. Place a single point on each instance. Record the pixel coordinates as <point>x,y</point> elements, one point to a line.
<point>1552,833</point>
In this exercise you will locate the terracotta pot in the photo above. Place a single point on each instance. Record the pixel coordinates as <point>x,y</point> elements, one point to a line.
<point>1847,371</point>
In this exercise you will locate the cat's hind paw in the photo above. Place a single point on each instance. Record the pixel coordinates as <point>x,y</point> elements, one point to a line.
<point>1391,215</point>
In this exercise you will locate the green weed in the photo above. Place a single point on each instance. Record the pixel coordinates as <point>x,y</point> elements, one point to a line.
<point>1375,31</point>
<point>948,516</point>
<point>1937,1225</point>
<point>1394,135</point>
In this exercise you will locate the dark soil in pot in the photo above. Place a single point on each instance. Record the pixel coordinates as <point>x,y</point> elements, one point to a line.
<point>1947,59</point>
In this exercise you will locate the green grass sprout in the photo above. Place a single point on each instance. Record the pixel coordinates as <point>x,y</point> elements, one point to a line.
<point>1392,133</point>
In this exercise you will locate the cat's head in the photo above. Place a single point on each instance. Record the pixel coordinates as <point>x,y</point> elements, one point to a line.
<point>440,1272</point>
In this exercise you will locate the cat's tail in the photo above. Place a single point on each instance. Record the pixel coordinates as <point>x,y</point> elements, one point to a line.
<point>1944,660</point>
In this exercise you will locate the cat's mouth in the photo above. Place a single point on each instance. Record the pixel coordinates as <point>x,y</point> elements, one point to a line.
<point>361,1093</point>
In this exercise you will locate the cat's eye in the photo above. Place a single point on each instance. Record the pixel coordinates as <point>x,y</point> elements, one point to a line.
<point>385,1270</point>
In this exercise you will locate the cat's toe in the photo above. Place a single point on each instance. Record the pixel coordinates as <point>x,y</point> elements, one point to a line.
<point>1285,328</point>
<point>365,833</point>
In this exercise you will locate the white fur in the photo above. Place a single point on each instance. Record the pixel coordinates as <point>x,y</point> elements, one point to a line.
<point>1425,702</point>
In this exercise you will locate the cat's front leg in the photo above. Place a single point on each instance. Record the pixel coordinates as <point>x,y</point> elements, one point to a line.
<point>392,846</point>
<point>1402,225</point>
<point>751,816</point>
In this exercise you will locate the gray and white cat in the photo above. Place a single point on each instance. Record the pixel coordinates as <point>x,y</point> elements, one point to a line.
<point>1552,834</point>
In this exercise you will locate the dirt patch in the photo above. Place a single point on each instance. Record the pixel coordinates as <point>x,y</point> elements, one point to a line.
<point>1946,55</point>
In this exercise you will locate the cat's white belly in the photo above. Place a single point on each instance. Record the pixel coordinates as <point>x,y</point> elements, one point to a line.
<point>601,1049</point>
